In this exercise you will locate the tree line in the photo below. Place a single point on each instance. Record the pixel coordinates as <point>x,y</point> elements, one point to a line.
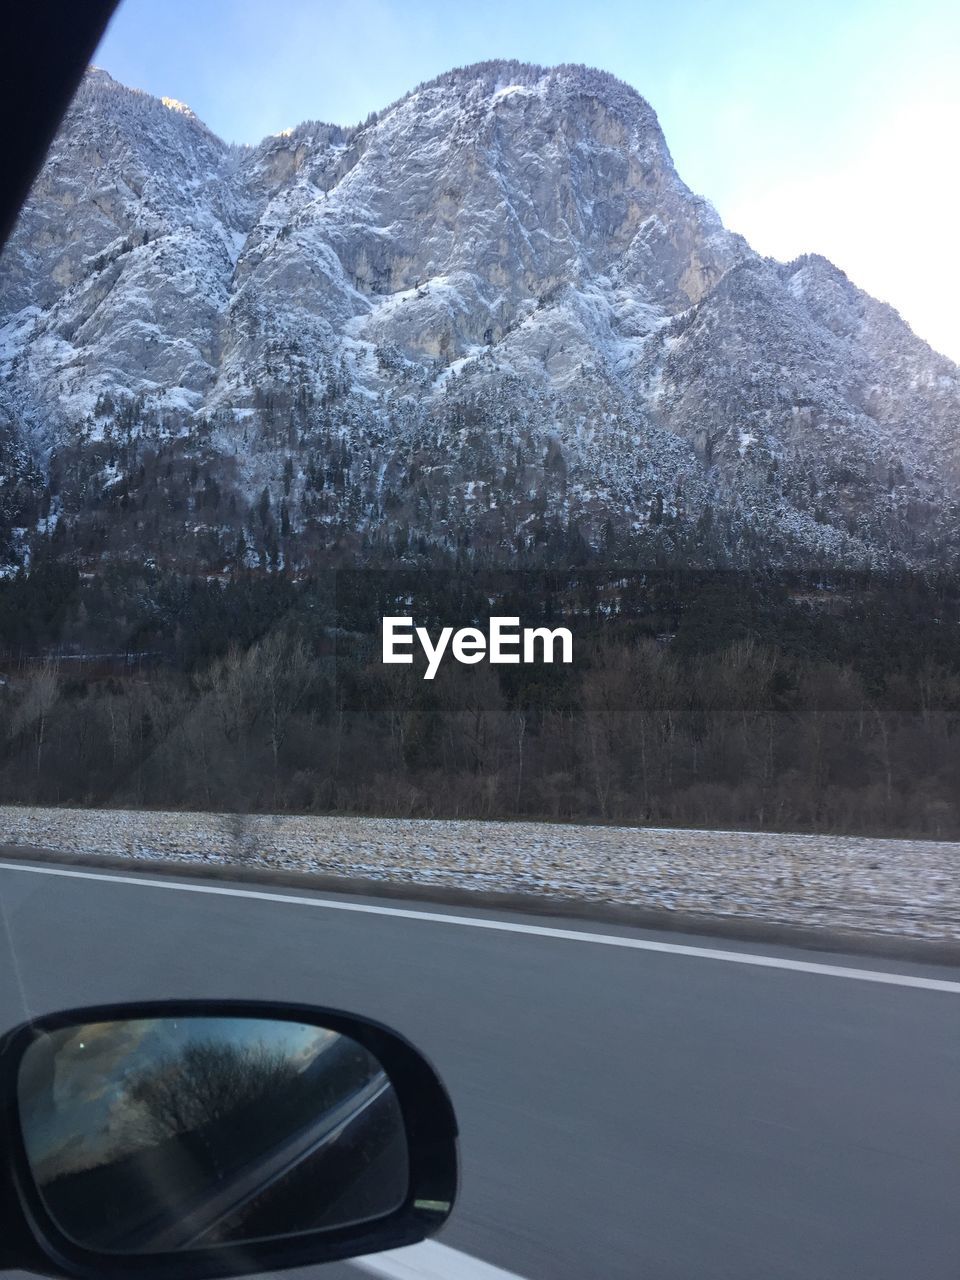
<point>702,700</point>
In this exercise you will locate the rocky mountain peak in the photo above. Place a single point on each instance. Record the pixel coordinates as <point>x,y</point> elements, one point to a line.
<point>490,311</point>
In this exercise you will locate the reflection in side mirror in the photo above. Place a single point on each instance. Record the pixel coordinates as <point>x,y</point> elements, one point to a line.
<point>164,1134</point>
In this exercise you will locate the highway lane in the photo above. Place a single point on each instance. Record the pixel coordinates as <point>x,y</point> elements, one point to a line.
<point>625,1113</point>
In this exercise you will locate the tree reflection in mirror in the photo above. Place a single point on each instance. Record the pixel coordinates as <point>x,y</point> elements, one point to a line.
<point>167,1134</point>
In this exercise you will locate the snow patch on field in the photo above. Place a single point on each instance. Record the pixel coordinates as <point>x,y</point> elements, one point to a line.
<point>905,887</point>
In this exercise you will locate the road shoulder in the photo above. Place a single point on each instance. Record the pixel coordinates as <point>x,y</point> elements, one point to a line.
<point>550,909</point>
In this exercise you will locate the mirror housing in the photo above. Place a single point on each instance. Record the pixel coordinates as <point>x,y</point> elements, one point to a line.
<point>35,1241</point>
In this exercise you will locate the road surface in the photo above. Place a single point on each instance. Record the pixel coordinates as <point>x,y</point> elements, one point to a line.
<point>632,1105</point>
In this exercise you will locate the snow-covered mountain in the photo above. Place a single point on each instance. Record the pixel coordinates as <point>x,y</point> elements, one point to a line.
<point>490,320</point>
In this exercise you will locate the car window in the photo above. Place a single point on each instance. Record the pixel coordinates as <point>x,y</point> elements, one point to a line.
<point>479,549</point>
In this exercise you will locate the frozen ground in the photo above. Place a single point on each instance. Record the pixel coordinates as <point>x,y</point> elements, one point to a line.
<point>888,886</point>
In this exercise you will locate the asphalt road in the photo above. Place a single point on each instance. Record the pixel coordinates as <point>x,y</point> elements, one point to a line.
<point>625,1113</point>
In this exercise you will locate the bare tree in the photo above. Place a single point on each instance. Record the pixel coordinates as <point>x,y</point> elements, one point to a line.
<point>204,1083</point>
<point>32,716</point>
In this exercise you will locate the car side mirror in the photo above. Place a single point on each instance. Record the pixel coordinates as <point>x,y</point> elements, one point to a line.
<point>200,1138</point>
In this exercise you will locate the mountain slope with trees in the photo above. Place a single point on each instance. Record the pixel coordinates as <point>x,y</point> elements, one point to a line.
<point>489,322</point>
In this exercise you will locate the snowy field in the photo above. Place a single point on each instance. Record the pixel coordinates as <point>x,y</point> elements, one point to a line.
<point>907,887</point>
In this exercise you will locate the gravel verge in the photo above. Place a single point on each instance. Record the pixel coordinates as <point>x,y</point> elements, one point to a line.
<point>905,888</point>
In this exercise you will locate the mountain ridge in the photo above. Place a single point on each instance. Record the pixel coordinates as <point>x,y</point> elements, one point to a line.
<point>488,321</point>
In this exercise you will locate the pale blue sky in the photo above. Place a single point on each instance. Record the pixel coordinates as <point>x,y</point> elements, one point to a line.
<point>829,126</point>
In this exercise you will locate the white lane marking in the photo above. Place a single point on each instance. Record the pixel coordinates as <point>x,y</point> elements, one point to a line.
<point>430,1261</point>
<point>504,926</point>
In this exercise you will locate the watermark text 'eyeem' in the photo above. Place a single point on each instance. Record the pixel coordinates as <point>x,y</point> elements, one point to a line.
<point>504,642</point>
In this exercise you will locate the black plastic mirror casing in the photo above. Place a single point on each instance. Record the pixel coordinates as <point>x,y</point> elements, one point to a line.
<point>32,1241</point>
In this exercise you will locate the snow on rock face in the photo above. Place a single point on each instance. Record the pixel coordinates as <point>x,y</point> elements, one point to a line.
<point>123,168</point>
<point>172,104</point>
<point>506,234</point>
